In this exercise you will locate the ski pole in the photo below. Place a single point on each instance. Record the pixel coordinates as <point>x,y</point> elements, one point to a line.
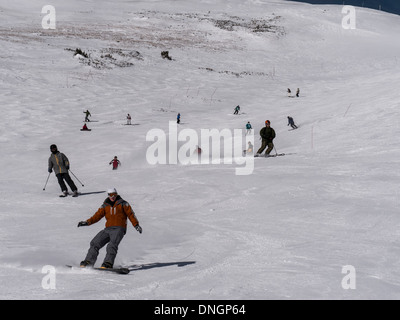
<point>44,188</point>
<point>275,150</point>
<point>76,178</point>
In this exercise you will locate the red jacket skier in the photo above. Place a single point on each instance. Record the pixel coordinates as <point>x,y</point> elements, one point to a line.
<point>115,162</point>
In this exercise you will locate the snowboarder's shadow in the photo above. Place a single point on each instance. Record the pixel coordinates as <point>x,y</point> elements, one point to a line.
<point>159,265</point>
<point>90,192</point>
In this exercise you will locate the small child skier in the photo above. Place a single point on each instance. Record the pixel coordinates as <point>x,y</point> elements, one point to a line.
<point>249,149</point>
<point>115,163</point>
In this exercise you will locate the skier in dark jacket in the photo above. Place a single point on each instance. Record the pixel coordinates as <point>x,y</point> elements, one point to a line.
<point>267,135</point>
<point>60,164</point>
<point>87,115</point>
<point>291,122</point>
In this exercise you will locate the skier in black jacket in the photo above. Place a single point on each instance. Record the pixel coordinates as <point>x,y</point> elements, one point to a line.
<point>291,122</point>
<point>60,164</point>
<point>268,135</point>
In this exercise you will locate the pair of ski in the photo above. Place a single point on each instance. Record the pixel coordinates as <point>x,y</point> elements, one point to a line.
<point>294,128</point>
<point>119,270</point>
<point>269,156</point>
<point>66,195</point>
<point>82,193</point>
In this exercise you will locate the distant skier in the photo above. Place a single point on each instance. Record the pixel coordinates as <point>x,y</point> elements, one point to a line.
<point>115,163</point>
<point>268,135</point>
<point>178,118</point>
<point>128,119</point>
<point>85,128</point>
<point>197,153</point>
<point>248,127</point>
<point>60,164</point>
<point>297,92</point>
<point>87,115</point>
<point>249,149</point>
<point>289,92</point>
<point>291,122</point>
<point>116,211</point>
<point>237,109</point>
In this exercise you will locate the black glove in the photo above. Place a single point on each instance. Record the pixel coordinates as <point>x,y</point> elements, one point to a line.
<point>50,170</point>
<point>67,167</point>
<point>82,224</point>
<point>138,228</point>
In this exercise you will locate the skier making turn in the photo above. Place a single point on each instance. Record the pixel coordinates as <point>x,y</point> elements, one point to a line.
<point>60,164</point>
<point>268,135</point>
<point>248,127</point>
<point>116,211</point>
<point>291,122</point>
<point>87,115</point>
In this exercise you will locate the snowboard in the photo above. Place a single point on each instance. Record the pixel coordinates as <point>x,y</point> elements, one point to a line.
<point>86,130</point>
<point>115,270</point>
<point>119,270</point>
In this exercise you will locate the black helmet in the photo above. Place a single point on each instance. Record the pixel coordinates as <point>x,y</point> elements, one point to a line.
<point>53,148</point>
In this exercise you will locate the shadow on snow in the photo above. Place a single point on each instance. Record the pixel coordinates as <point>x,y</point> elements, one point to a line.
<point>158,265</point>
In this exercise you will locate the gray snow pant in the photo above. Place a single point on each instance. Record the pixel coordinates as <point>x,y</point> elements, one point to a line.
<point>110,235</point>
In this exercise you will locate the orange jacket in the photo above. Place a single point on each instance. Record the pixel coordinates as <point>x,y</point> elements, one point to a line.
<point>116,215</point>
